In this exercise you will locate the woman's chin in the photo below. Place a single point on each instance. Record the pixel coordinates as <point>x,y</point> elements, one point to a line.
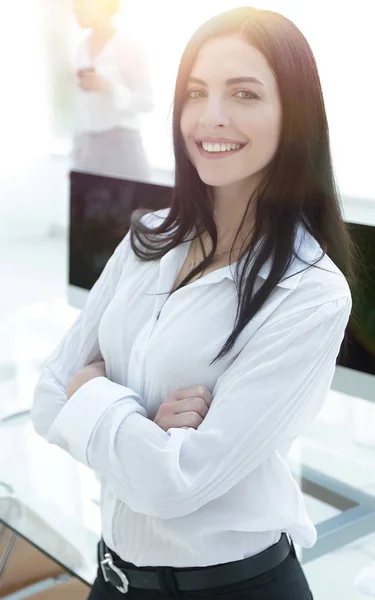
<point>215,179</point>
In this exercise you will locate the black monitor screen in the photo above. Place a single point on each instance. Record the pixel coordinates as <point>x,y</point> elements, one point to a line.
<point>100,211</point>
<point>361,329</point>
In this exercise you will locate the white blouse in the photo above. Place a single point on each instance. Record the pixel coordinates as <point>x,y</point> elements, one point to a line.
<point>123,63</point>
<point>224,491</point>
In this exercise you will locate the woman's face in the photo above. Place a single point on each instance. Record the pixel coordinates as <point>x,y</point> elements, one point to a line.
<point>88,12</point>
<point>231,119</point>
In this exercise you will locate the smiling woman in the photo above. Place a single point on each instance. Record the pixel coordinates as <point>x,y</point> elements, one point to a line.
<point>212,372</point>
<point>252,157</point>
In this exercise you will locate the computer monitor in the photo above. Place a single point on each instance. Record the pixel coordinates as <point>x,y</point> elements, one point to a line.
<point>100,210</point>
<point>355,373</point>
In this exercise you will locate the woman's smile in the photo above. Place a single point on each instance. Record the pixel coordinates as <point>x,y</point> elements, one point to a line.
<point>218,148</point>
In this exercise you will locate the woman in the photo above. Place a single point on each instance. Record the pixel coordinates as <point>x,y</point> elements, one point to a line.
<point>112,89</point>
<point>209,342</point>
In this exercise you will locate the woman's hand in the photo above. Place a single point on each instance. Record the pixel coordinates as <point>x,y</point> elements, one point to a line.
<point>95,369</point>
<point>90,81</point>
<point>184,408</point>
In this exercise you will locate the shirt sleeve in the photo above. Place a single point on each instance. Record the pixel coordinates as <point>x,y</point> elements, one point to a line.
<point>79,347</point>
<point>262,402</point>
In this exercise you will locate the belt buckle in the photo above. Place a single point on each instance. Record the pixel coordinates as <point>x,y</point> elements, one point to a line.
<point>107,563</point>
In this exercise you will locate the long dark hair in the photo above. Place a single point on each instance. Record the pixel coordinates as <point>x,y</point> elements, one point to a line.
<point>299,186</point>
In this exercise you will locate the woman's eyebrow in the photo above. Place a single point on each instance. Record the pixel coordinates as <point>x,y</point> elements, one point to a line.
<point>231,81</point>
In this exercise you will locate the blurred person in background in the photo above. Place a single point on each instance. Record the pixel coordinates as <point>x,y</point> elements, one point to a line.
<point>112,89</point>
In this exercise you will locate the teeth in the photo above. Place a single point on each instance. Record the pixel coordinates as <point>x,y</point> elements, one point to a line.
<point>210,147</point>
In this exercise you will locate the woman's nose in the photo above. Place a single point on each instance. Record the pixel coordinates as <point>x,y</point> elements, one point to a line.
<point>214,114</point>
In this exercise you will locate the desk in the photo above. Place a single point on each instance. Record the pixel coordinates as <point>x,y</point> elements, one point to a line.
<point>49,499</point>
<point>333,464</point>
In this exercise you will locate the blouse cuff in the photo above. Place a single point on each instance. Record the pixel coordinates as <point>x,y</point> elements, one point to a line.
<point>76,421</point>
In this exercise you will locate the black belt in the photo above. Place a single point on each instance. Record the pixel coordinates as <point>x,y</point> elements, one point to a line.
<point>201,578</point>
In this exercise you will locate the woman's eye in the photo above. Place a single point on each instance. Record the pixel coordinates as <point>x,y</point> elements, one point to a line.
<point>246,95</point>
<point>194,94</point>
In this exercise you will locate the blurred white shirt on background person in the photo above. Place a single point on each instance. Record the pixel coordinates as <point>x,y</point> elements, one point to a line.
<point>123,63</point>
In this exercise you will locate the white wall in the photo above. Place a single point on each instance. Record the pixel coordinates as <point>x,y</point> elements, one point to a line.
<point>24,122</point>
<point>34,198</point>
